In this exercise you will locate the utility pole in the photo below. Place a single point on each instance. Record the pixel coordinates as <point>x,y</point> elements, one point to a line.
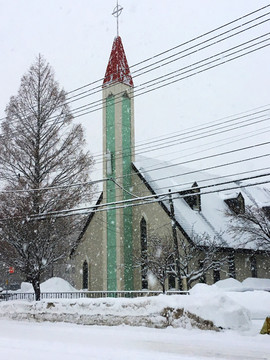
<point>176,248</point>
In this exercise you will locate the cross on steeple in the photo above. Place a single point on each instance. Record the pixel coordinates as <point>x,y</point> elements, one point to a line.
<point>116,13</point>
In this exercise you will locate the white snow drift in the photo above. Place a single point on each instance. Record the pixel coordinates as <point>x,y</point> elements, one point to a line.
<point>231,309</point>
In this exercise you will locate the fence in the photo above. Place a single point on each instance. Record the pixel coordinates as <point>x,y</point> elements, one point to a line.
<point>5,296</point>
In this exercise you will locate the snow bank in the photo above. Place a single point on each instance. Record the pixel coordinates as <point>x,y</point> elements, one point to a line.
<point>206,304</point>
<point>257,284</point>
<point>136,312</point>
<point>256,302</point>
<point>54,284</point>
<point>248,284</point>
<point>209,302</point>
<point>229,285</point>
<point>227,304</point>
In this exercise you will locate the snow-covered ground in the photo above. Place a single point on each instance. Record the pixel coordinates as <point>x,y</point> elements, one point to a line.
<point>57,341</point>
<point>241,313</point>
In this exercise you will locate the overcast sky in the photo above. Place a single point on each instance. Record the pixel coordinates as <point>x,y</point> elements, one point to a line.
<point>76,38</point>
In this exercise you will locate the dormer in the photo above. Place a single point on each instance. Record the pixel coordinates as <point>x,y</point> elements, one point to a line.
<point>193,197</point>
<point>236,204</point>
<point>266,210</point>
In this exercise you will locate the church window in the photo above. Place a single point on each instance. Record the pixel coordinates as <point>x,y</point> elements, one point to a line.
<point>85,275</point>
<point>231,261</point>
<point>192,197</point>
<point>216,273</point>
<point>143,229</point>
<point>253,266</point>
<point>171,281</point>
<point>171,276</point>
<point>236,204</point>
<point>201,267</point>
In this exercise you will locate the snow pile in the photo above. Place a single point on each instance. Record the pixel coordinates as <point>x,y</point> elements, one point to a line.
<point>148,311</point>
<point>229,285</point>
<point>232,285</point>
<point>248,284</point>
<point>207,308</point>
<point>209,302</point>
<point>245,293</point>
<point>257,284</point>
<point>54,284</point>
<point>227,304</point>
<point>256,302</point>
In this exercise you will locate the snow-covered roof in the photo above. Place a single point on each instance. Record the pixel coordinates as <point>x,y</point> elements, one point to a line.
<point>210,219</point>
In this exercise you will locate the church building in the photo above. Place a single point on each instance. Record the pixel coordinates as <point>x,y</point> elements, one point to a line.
<point>142,197</point>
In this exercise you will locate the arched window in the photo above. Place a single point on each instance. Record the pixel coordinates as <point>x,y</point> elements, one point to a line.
<point>85,275</point>
<point>231,261</point>
<point>253,266</point>
<point>216,273</point>
<point>143,230</point>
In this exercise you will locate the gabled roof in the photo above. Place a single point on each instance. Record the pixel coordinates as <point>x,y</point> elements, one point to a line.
<point>162,176</point>
<point>117,68</point>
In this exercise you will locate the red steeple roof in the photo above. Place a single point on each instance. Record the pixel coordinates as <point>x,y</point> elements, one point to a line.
<point>117,69</point>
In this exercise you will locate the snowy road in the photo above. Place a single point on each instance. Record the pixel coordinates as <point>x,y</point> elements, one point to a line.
<point>43,341</point>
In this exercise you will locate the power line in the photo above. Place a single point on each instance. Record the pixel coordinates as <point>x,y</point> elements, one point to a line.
<point>220,143</point>
<point>215,55</point>
<point>149,199</point>
<point>203,158</point>
<point>140,87</point>
<point>46,188</point>
<point>160,86</point>
<point>239,26</point>
<point>180,79</point>
<point>145,90</point>
<point>190,138</point>
<point>153,198</point>
<point>194,129</point>
<point>211,126</point>
<point>203,42</point>
<point>180,45</point>
<point>191,129</point>
<point>98,89</point>
<point>158,168</point>
<point>154,180</point>
<point>199,181</point>
<point>214,167</point>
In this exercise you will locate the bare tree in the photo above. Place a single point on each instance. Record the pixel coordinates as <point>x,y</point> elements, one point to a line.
<point>199,256</point>
<point>196,257</point>
<point>251,226</point>
<point>41,155</point>
<point>158,258</point>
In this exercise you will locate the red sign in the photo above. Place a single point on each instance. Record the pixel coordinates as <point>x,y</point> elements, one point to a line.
<point>11,270</point>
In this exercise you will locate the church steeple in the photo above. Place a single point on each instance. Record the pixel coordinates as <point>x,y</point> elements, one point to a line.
<point>117,69</point>
<point>118,150</point>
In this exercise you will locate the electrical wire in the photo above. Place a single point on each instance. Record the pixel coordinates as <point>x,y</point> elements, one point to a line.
<point>155,169</point>
<point>239,26</point>
<point>180,45</point>
<point>191,138</point>
<point>95,105</point>
<point>153,198</point>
